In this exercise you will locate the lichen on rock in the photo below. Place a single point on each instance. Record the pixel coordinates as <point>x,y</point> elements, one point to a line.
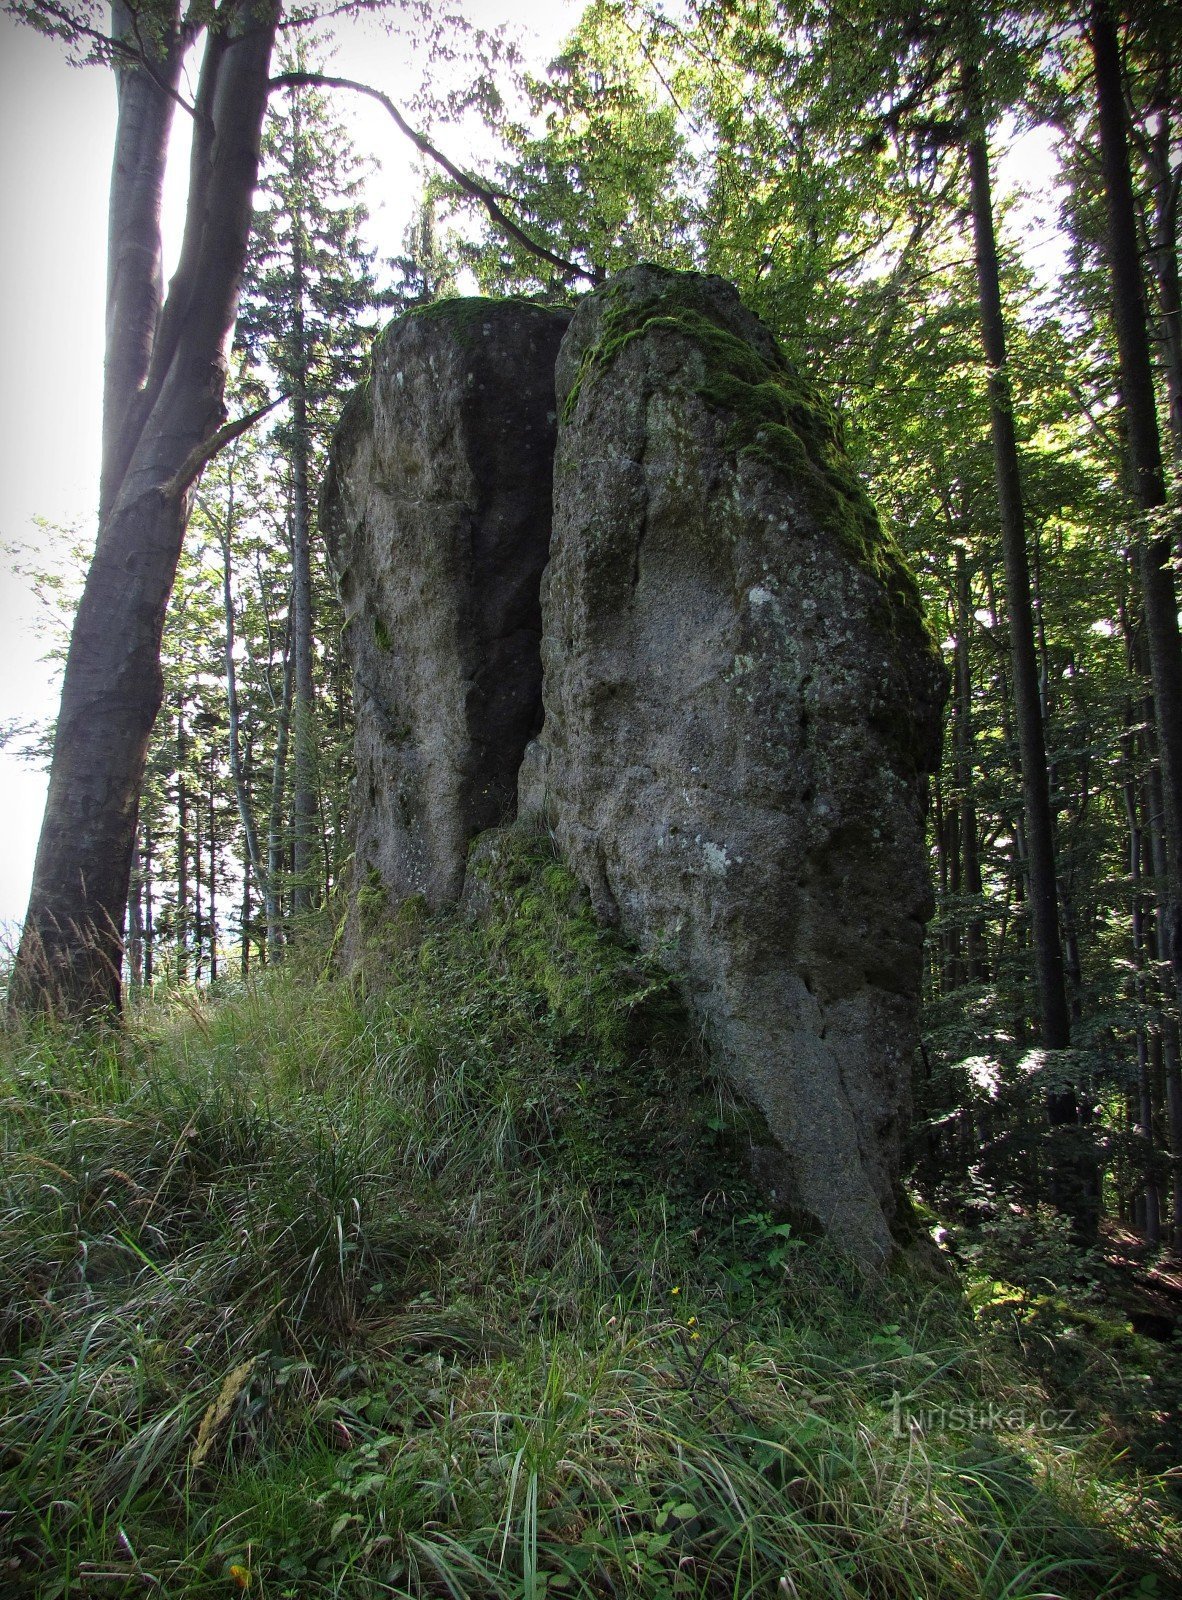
<point>437,510</point>
<point>741,704</point>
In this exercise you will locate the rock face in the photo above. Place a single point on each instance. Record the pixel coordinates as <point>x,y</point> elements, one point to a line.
<point>741,705</point>
<point>437,509</point>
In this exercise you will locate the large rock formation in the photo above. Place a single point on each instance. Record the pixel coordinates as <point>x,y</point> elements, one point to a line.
<point>437,509</point>
<point>741,704</point>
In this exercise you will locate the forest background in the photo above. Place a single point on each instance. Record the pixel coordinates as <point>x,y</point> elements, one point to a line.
<point>837,167</point>
<point>449,1278</point>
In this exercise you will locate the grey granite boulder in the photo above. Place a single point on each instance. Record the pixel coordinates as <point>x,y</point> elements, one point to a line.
<point>741,706</point>
<point>437,510</point>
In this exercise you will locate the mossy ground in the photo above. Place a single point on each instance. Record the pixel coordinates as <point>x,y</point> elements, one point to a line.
<point>450,1284</point>
<point>778,418</point>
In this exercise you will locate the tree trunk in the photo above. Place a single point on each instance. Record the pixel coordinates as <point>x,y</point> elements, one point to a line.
<point>976,964</point>
<point>303,807</point>
<point>149,913</point>
<point>1145,1133</point>
<point>1055,1030</point>
<point>1074,1176</point>
<point>213,872</point>
<point>1158,146</point>
<point>182,850</point>
<point>245,810</point>
<point>165,377</point>
<point>198,915</point>
<point>135,942</point>
<point>244,923</point>
<point>275,821</point>
<point>1146,475</point>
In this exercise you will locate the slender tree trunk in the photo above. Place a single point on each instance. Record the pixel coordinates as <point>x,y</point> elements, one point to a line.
<point>213,872</point>
<point>135,942</point>
<point>182,851</point>
<point>244,922</point>
<point>149,912</point>
<point>304,873</point>
<point>976,964</point>
<point>1146,475</point>
<point>198,914</point>
<point>1055,1027</point>
<point>241,793</point>
<point>135,268</point>
<point>275,821</point>
<point>165,377</point>
<point>1074,1177</point>
<point>1152,1197</point>
<point>1159,148</point>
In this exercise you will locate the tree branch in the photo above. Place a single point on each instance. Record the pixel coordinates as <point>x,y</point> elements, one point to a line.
<point>58,21</point>
<point>204,453</point>
<point>471,186</point>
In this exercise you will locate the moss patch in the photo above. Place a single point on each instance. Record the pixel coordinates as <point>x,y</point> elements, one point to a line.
<point>779,419</point>
<point>464,315</point>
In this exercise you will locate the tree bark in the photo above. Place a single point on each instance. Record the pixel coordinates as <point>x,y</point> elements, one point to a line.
<point>1145,469</point>
<point>275,819</point>
<point>254,858</point>
<point>1145,1131</point>
<point>303,804</point>
<point>165,379</point>
<point>135,942</point>
<point>1055,1027</point>
<point>182,850</point>
<point>213,872</point>
<point>149,913</point>
<point>1074,1177</point>
<point>976,965</point>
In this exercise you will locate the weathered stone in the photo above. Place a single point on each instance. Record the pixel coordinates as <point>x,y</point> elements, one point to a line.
<point>742,702</point>
<point>437,509</point>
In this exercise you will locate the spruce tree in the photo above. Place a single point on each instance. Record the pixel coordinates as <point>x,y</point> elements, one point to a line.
<point>305,326</point>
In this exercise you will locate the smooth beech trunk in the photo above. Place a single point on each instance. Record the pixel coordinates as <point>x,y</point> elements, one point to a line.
<point>163,407</point>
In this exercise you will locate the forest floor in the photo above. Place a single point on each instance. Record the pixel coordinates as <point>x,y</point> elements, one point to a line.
<point>451,1284</point>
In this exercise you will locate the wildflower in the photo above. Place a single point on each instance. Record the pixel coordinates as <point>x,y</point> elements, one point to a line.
<point>676,1289</point>
<point>240,1576</point>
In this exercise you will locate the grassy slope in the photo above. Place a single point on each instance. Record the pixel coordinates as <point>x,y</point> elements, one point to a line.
<point>455,1287</point>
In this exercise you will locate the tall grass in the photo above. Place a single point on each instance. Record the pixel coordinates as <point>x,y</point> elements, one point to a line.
<point>450,1283</point>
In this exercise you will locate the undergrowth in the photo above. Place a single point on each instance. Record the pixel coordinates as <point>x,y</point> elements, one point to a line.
<point>452,1285</point>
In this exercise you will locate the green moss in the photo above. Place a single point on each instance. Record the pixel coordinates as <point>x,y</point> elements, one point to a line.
<point>381,634</point>
<point>779,419</point>
<point>539,921</point>
<point>356,415</point>
<point>372,896</point>
<point>464,315</point>
<point>459,310</point>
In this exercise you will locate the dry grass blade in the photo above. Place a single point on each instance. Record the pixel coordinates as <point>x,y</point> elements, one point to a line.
<point>218,1413</point>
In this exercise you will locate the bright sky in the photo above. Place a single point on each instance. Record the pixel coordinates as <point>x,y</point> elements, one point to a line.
<point>56,131</point>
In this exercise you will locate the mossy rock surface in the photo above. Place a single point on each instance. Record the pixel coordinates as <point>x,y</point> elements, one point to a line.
<point>773,414</point>
<point>438,509</point>
<point>742,704</point>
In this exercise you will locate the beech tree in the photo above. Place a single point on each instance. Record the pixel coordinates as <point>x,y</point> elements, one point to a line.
<point>163,418</point>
